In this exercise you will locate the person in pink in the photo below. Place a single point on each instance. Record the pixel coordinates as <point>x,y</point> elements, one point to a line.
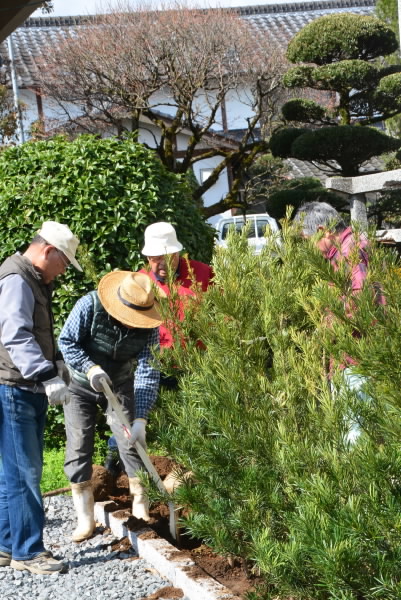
<point>338,244</point>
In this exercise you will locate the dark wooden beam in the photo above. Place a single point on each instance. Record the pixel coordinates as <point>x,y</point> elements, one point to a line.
<point>13,13</point>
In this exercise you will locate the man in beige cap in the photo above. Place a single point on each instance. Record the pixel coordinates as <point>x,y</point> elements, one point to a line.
<point>106,331</point>
<point>31,373</point>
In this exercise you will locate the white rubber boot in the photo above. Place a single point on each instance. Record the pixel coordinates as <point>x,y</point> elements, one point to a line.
<point>82,496</point>
<point>140,502</point>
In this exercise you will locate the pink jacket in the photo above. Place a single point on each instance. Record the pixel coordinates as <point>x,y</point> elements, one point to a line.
<point>357,259</point>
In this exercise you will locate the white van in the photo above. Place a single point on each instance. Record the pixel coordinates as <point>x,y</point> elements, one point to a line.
<point>257,227</point>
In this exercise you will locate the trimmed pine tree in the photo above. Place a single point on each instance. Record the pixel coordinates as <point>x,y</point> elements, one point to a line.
<point>263,425</point>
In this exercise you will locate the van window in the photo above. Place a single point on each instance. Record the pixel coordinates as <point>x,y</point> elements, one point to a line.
<point>262,225</point>
<point>239,225</point>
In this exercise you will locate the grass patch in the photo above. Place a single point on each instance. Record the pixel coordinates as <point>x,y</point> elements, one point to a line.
<point>53,476</point>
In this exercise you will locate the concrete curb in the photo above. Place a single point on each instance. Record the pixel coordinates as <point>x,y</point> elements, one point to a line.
<point>165,558</point>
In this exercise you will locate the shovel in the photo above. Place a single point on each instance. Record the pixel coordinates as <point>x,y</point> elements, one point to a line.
<point>122,417</point>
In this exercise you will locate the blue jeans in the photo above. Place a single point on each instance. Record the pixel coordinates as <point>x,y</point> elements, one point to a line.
<point>22,422</point>
<point>112,443</point>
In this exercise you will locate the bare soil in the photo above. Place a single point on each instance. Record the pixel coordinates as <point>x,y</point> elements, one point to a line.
<point>230,573</point>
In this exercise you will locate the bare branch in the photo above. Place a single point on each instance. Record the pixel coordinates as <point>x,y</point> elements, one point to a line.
<point>175,68</point>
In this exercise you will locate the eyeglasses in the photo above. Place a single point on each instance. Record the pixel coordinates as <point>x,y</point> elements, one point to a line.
<point>64,260</point>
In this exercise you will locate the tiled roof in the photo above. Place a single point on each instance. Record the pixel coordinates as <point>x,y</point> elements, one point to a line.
<point>282,21</point>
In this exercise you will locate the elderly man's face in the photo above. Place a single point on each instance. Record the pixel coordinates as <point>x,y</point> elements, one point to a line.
<point>161,265</point>
<point>325,243</point>
<point>50,261</point>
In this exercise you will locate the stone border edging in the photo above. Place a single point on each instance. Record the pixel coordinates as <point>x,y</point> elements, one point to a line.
<point>165,558</point>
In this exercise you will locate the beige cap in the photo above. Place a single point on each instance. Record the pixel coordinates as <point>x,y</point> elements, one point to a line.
<point>61,237</point>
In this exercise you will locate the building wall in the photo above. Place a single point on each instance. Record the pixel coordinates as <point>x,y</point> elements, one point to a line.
<point>201,168</point>
<point>238,107</point>
<point>149,134</point>
<point>51,111</point>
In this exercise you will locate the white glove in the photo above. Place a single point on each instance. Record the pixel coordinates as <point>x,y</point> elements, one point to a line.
<point>94,375</point>
<point>63,372</point>
<point>56,391</point>
<point>138,432</point>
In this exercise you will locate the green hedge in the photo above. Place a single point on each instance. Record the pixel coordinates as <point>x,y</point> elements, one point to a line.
<point>107,191</point>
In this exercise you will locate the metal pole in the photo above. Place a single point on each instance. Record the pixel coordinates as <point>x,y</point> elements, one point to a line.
<point>21,136</point>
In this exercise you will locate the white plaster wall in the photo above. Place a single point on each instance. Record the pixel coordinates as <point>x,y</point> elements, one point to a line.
<point>238,108</point>
<point>52,112</point>
<point>29,111</point>
<point>218,190</point>
<point>164,103</point>
<point>147,134</point>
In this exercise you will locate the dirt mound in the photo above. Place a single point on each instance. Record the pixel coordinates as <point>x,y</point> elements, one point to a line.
<point>163,465</point>
<point>102,483</point>
<point>166,592</point>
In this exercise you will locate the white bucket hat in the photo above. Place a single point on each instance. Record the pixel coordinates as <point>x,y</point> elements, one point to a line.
<point>160,239</point>
<point>61,237</point>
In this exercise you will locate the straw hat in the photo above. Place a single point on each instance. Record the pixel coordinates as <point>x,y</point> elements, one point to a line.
<point>129,298</point>
<point>61,237</point>
<point>161,239</point>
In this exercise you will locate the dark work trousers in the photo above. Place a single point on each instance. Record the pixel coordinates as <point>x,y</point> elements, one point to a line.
<point>80,422</point>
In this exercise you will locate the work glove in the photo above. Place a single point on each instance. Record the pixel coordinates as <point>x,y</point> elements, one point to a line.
<point>63,372</point>
<point>56,391</point>
<point>94,375</point>
<point>138,432</point>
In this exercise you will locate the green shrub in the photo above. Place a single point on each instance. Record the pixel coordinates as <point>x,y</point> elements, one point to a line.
<point>341,36</point>
<point>275,481</point>
<point>349,145</point>
<point>301,109</point>
<point>53,477</point>
<point>294,192</point>
<point>55,430</point>
<point>107,191</point>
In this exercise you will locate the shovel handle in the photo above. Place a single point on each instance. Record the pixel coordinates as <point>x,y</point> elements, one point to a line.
<point>115,404</point>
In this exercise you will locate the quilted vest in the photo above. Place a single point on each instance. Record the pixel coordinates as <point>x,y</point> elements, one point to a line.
<point>42,318</point>
<point>111,345</point>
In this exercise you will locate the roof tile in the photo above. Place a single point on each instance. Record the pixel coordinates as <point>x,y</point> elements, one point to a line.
<point>282,21</point>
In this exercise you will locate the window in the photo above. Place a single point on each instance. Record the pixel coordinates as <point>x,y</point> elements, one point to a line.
<point>205,174</point>
<point>238,227</point>
<point>262,225</point>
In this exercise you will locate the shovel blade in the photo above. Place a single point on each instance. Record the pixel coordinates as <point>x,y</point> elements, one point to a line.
<point>173,522</point>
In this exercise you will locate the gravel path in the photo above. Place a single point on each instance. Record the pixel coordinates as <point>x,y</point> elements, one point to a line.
<point>95,570</point>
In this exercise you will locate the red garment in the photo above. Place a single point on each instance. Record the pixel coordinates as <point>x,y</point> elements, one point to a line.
<point>188,272</point>
<point>357,259</point>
